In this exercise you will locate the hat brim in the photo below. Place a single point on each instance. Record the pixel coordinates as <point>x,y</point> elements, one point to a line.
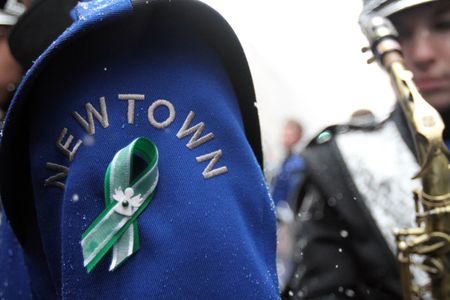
<point>398,6</point>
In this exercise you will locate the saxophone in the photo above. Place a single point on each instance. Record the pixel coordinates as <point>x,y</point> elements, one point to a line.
<point>430,239</point>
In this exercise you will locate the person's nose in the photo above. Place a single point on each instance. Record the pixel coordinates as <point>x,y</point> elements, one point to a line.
<point>420,51</point>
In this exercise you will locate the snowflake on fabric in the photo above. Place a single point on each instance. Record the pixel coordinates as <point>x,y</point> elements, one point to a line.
<point>128,202</point>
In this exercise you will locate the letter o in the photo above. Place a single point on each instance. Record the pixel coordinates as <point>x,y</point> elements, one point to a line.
<point>151,111</point>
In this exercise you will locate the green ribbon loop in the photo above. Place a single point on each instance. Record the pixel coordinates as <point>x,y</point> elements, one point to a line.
<point>126,197</point>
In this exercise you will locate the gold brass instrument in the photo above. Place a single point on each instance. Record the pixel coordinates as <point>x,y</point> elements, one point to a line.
<point>430,240</point>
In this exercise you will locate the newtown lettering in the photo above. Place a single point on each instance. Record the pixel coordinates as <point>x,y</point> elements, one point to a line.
<point>68,145</point>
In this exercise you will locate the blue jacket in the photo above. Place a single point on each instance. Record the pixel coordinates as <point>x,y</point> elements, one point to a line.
<point>289,178</point>
<point>168,72</point>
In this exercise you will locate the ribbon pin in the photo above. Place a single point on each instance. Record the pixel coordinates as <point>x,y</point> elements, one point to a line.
<point>126,197</point>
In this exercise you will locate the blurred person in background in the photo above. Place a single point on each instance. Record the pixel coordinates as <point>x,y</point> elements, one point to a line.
<point>10,69</point>
<point>11,258</point>
<point>27,28</point>
<point>22,43</point>
<point>284,189</point>
<point>290,172</point>
<point>358,185</point>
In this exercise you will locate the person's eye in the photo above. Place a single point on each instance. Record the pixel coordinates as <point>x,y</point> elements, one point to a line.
<point>404,31</point>
<point>442,24</point>
<point>404,34</point>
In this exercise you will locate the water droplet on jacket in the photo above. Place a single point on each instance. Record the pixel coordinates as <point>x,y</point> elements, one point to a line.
<point>11,87</point>
<point>75,198</point>
<point>350,293</point>
<point>331,201</point>
<point>89,140</point>
<point>344,233</point>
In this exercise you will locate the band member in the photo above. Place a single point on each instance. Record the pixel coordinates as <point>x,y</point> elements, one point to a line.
<point>10,69</point>
<point>129,160</point>
<point>358,185</point>
<point>290,172</point>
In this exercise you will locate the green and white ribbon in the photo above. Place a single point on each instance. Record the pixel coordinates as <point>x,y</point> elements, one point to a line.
<point>125,199</point>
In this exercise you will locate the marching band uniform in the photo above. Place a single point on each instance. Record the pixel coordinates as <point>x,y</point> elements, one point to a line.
<point>356,191</point>
<point>130,160</point>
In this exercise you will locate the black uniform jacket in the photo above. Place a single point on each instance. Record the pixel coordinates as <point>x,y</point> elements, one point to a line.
<point>340,252</point>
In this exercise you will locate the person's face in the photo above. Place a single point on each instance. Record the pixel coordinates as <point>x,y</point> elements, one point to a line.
<point>424,33</point>
<point>291,135</point>
<point>10,70</point>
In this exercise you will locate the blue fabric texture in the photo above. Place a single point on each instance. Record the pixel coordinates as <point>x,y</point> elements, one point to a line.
<point>201,238</point>
<point>290,176</point>
<point>14,282</point>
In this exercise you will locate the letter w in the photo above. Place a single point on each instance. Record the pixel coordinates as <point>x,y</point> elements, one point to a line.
<point>91,112</point>
<point>196,140</point>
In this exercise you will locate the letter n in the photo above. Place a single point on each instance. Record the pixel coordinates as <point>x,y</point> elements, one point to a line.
<point>53,180</point>
<point>213,157</point>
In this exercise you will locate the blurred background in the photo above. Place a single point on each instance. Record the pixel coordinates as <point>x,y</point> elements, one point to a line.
<point>307,64</point>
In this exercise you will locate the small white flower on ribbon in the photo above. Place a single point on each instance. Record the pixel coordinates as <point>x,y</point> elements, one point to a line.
<point>127,201</point>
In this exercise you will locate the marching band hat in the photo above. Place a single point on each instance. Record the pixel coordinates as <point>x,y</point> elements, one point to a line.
<point>386,8</point>
<point>40,25</point>
<point>10,10</point>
